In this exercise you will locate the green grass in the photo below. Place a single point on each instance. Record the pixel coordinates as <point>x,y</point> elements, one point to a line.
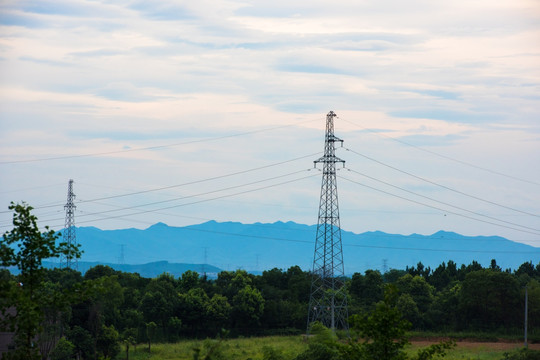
<point>289,346</point>
<point>234,349</point>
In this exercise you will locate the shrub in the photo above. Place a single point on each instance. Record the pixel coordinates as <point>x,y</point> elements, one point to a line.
<point>64,350</point>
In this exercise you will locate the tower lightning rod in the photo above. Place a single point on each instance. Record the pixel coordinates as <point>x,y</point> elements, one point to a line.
<point>328,300</point>
<point>69,235</point>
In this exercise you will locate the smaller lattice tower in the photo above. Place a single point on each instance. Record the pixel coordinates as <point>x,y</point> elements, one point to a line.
<point>69,236</point>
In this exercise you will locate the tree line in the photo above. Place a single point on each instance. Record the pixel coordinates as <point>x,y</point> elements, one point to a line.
<point>104,311</point>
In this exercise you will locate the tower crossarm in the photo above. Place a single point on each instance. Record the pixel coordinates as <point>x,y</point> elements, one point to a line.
<point>329,159</point>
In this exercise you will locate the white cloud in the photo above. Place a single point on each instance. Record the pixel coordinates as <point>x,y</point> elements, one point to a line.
<point>84,77</point>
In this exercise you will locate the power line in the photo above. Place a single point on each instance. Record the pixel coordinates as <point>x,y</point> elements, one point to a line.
<point>199,194</point>
<point>437,208</point>
<point>194,202</point>
<point>445,156</point>
<point>181,185</point>
<point>201,181</point>
<point>440,185</point>
<point>344,244</point>
<point>262,237</point>
<point>442,202</point>
<point>190,196</point>
<point>299,230</point>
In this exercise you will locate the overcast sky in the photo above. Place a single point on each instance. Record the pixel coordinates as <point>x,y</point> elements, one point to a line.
<point>178,104</point>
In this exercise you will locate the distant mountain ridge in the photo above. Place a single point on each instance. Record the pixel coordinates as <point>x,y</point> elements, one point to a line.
<point>257,247</point>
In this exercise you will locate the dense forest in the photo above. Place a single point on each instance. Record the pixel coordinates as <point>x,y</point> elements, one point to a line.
<point>95,313</point>
<point>124,305</point>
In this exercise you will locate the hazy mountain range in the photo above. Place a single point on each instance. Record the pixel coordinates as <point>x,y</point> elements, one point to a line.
<point>212,246</point>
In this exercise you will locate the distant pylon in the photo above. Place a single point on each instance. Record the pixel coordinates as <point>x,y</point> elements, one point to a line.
<point>69,236</point>
<point>121,259</point>
<point>328,299</point>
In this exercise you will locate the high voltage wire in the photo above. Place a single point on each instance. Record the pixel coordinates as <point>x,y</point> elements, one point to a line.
<point>296,240</point>
<point>437,208</point>
<point>153,147</point>
<point>440,185</point>
<point>203,180</point>
<point>441,202</point>
<point>279,163</point>
<point>344,244</point>
<point>200,194</point>
<point>257,225</point>
<point>352,245</point>
<point>444,156</point>
<point>188,196</point>
<point>275,227</point>
<point>180,185</point>
<point>195,202</point>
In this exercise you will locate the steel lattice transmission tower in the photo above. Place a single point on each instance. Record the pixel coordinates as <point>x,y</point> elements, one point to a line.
<point>328,300</point>
<point>69,235</point>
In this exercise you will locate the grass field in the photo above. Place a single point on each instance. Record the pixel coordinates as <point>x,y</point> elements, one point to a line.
<point>290,346</point>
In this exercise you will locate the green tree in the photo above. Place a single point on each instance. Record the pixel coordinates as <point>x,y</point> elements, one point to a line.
<point>189,280</point>
<point>298,284</point>
<point>99,271</point>
<point>367,289</point>
<point>533,290</point>
<point>27,295</point>
<point>440,278</point>
<point>248,306</point>
<point>160,301</point>
<point>526,268</point>
<point>64,350</point>
<point>443,314</point>
<point>407,306</point>
<point>82,339</point>
<point>108,342</point>
<point>383,331</point>
<point>489,299</point>
<point>194,309</point>
<point>150,333</point>
<point>382,336</point>
<point>219,311</point>
<point>418,288</point>
<point>129,337</point>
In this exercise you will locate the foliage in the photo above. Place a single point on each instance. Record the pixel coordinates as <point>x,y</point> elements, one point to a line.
<point>29,295</point>
<point>64,350</point>
<point>107,342</point>
<point>270,353</point>
<point>82,341</point>
<point>212,349</point>
<point>105,303</point>
<point>383,331</point>
<point>523,354</point>
<point>322,346</point>
<point>490,299</point>
<point>435,350</point>
<point>382,336</point>
<point>248,306</point>
<point>150,333</point>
